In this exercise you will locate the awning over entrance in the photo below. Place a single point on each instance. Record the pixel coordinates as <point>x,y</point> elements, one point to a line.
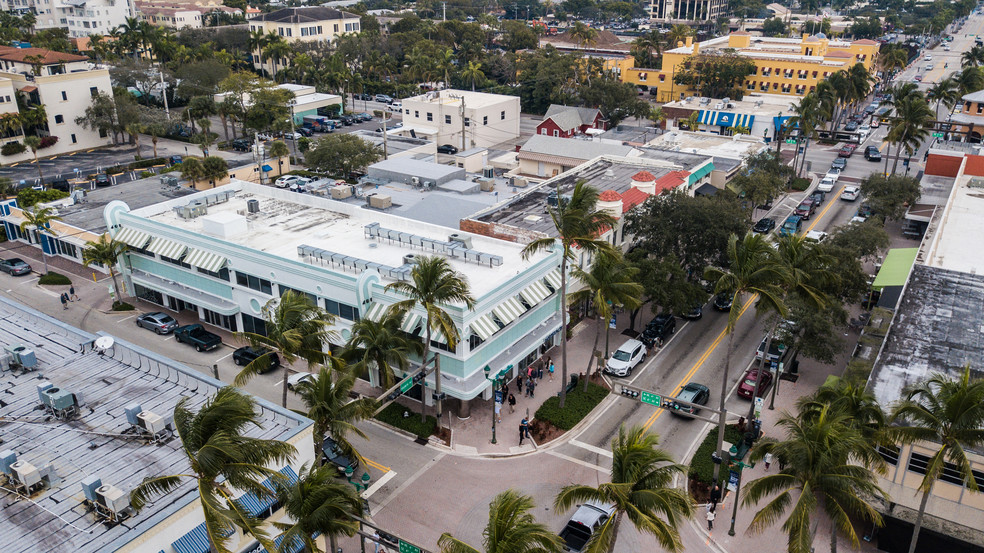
<point>700,173</point>
<point>509,310</point>
<point>553,279</point>
<point>535,293</point>
<point>706,189</point>
<point>484,326</point>
<point>725,118</point>
<point>895,270</point>
<point>202,259</point>
<point>410,322</point>
<point>375,312</point>
<point>133,237</point>
<point>166,248</point>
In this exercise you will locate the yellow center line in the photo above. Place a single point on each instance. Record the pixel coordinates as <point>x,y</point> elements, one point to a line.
<point>830,204</point>
<point>376,465</point>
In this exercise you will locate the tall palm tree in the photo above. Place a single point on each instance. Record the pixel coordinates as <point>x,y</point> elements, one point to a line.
<point>34,143</point>
<point>753,269</point>
<point>278,150</point>
<point>847,398</point>
<point>678,33</point>
<point>943,92</point>
<point>913,120</point>
<point>326,397</point>
<point>578,223</point>
<point>380,345</point>
<point>221,459</point>
<point>473,72</point>
<point>609,283</point>
<point>105,251</point>
<point>806,119</point>
<point>512,528</point>
<point>583,35</point>
<point>296,329</point>
<point>433,283</point>
<point>646,49</point>
<point>970,79</point>
<point>946,411</point>
<point>317,503</point>
<point>893,59</point>
<point>641,489</point>
<point>973,57</point>
<point>818,471</point>
<point>41,219</point>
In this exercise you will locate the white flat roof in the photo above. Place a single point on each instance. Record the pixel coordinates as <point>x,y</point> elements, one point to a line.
<point>453,97</point>
<point>287,220</point>
<point>956,245</point>
<point>753,104</point>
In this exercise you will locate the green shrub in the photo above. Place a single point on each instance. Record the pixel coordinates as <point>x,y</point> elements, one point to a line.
<point>28,197</point>
<point>393,416</point>
<point>579,404</point>
<point>12,149</point>
<point>175,167</point>
<point>145,163</point>
<point>54,279</point>
<point>122,306</point>
<point>800,184</point>
<point>146,174</point>
<point>3,234</point>
<point>701,465</point>
<point>304,173</point>
<point>115,170</point>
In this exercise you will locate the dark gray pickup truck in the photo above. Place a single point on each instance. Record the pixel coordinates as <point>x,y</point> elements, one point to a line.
<point>197,336</point>
<point>588,518</point>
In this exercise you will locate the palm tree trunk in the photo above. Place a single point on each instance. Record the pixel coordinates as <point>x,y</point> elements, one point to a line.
<point>283,400</point>
<point>761,368</point>
<point>334,545</point>
<point>153,141</point>
<point>563,331</point>
<point>594,348</point>
<point>833,537</point>
<point>898,154</point>
<point>44,257</point>
<point>723,394</point>
<point>116,285</point>
<point>919,518</point>
<point>423,367</point>
<point>38,165</point>
<point>615,525</point>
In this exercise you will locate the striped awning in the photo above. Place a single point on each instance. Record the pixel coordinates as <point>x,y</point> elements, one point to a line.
<point>195,541</point>
<point>202,259</point>
<point>438,336</point>
<point>166,248</point>
<point>484,326</point>
<point>725,118</point>
<point>509,310</point>
<point>410,322</point>
<point>535,293</point>
<point>553,279</point>
<point>132,237</point>
<point>375,312</point>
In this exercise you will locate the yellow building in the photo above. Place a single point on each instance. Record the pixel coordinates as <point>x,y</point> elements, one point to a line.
<point>790,66</point>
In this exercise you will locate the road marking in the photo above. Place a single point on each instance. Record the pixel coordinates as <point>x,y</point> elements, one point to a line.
<point>591,448</point>
<point>823,212</point>
<point>171,337</point>
<point>224,357</point>
<point>126,319</point>
<point>413,478</point>
<point>580,462</point>
<point>378,484</point>
<point>376,465</point>
<point>279,382</point>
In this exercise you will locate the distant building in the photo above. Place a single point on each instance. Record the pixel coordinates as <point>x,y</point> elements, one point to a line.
<point>463,118</point>
<point>181,14</point>
<point>305,24</point>
<point>566,122</point>
<point>82,17</point>
<point>757,114</point>
<point>967,125</point>
<point>687,11</point>
<point>306,101</point>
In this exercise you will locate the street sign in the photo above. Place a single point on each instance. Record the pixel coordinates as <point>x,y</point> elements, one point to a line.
<point>937,135</point>
<point>407,547</point>
<point>498,396</point>
<point>651,399</point>
<point>790,141</point>
<point>758,407</point>
<point>406,385</point>
<point>732,482</point>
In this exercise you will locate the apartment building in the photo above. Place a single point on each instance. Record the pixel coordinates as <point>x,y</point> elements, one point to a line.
<point>181,14</point>
<point>462,118</point>
<point>306,24</point>
<point>83,17</point>
<point>687,11</point>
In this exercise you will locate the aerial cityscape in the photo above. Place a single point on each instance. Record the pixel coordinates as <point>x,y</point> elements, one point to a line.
<point>461,276</point>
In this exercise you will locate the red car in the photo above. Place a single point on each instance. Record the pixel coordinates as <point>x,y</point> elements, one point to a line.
<point>847,150</point>
<point>747,385</point>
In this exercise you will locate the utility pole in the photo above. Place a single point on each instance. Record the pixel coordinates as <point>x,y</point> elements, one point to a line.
<point>385,132</point>
<point>445,14</point>
<point>293,132</point>
<point>167,112</point>
<point>462,123</point>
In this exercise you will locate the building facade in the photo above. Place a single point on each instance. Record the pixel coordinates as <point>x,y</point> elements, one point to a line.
<point>305,24</point>
<point>567,122</point>
<point>83,18</point>
<point>463,118</point>
<point>687,11</point>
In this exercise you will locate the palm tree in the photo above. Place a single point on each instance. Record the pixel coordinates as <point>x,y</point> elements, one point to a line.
<point>949,412</point>
<point>641,489</point>
<point>7,188</point>
<point>678,33</point>
<point>473,72</point>
<point>973,57</point>
<point>583,35</point>
<point>847,398</point>
<point>970,79</point>
<point>646,49</point>
<point>753,269</point>
<point>328,405</point>
<point>295,328</point>
<point>105,251</point>
<point>221,459</point>
<point>192,170</point>
<point>317,503</point>
<point>913,119</point>
<point>277,50</point>
<point>578,223</point>
<point>943,92</point>
<point>806,118</point>
<point>278,149</point>
<point>893,59</point>
<point>40,218</point>
<point>817,457</point>
<point>433,283</point>
<point>657,116</point>
<point>380,344</point>
<point>511,529</point>
<point>610,283</point>
<point>34,143</point>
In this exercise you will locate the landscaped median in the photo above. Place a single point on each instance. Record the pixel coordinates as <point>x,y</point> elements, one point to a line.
<point>393,415</point>
<point>551,421</point>
<point>701,473</point>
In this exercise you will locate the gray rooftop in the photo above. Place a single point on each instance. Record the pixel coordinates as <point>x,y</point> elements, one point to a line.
<point>100,441</point>
<point>88,215</point>
<point>585,116</point>
<point>394,144</point>
<point>573,148</point>
<point>422,169</point>
<point>689,161</point>
<point>630,133</point>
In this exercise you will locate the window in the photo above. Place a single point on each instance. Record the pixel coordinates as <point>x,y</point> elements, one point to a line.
<point>662,78</point>
<point>153,296</point>
<point>74,140</point>
<point>502,116</point>
<point>285,289</point>
<point>216,319</point>
<point>918,463</point>
<point>254,325</point>
<point>556,132</point>
<point>223,273</point>
<point>467,121</point>
<point>64,96</point>
<point>889,453</point>
<point>304,31</point>
<point>485,120</point>
<point>336,27</point>
<point>290,32</point>
<point>643,76</point>
<point>980,108</point>
<point>416,114</point>
<point>474,341</point>
<point>59,119</point>
<point>430,116</point>
<point>254,283</point>
<point>177,262</point>
<point>342,310</point>
<point>543,131</point>
<point>447,119</point>
<point>319,29</point>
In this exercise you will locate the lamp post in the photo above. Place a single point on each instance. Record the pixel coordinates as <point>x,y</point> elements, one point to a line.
<point>495,386</point>
<point>359,488</point>
<point>740,465</point>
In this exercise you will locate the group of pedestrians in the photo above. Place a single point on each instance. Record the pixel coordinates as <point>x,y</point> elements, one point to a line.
<point>68,297</point>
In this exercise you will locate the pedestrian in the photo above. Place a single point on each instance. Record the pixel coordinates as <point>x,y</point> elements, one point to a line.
<point>532,387</point>
<point>524,427</point>
<point>715,496</point>
<point>519,383</point>
<point>526,391</point>
<point>710,519</point>
<point>498,409</point>
<point>539,372</point>
<point>767,460</point>
<point>72,296</point>
<point>64,300</point>
<point>505,389</point>
<point>529,372</point>
<point>550,369</point>
<point>512,403</point>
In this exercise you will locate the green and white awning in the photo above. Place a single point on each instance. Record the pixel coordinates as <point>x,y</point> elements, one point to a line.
<point>438,336</point>
<point>410,322</point>
<point>166,248</point>
<point>553,279</point>
<point>535,293</point>
<point>375,312</point>
<point>132,237</point>
<point>509,310</point>
<point>202,259</point>
<point>484,326</point>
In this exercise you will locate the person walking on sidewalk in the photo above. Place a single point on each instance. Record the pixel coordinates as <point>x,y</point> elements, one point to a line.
<point>715,496</point>
<point>512,403</point>
<point>532,387</point>
<point>64,300</point>
<point>523,427</point>
<point>550,368</point>
<point>767,460</point>
<point>710,518</point>
<point>72,296</point>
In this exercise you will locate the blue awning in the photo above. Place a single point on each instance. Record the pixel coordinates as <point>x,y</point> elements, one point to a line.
<point>725,119</point>
<point>267,168</point>
<point>254,504</point>
<point>195,541</point>
<point>778,121</point>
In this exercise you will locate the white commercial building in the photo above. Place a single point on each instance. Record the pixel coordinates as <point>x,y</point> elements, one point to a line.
<point>83,17</point>
<point>462,118</point>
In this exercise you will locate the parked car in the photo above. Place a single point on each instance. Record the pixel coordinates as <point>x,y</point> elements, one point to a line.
<point>839,163</point>
<point>875,123</point>
<point>296,378</point>
<point>818,196</point>
<point>658,330</point>
<point>365,97</point>
<point>871,153</point>
<point>747,386</point>
<point>363,117</point>
<point>695,313</point>
<point>691,393</point>
<point>826,183</point>
<point>396,106</point>
<point>806,208</point>
<point>776,350</point>
<point>384,98</point>
<point>851,126</point>
<point>588,517</point>
<point>346,119</point>
<point>174,160</point>
<point>197,336</point>
<point>246,355</point>
<point>764,225</point>
<point>791,225</point>
<point>332,453</point>
<point>723,301</point>
<point>15,266</point>
<point>159,322</point>
<point>242,145</point>
<point>102,179</point>
<point>850,193</point>
<point>447,149</point>
<point>847,150</point>
<point>305,132</point>
<point>625,358</point>
<point>61,184</point>
<point>285,181</point>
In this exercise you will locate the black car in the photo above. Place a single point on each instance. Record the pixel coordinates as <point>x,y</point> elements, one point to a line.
<point>246,355</point>
<point>447,149</point>
<point>305,132</point>
<point>346,119</point>
<point>62,185</point>
<point>851,126</point>
<point>658,330</point>
<point>764,225</point>
<point>694,314</point>
<point>332,453</point>
<point>242,145</point>
<point>818,197</point>
<point>723,301</point>
<point>691,393</point>
<point>871,153</point>
<point>364,97</point>
<point>102,179</point>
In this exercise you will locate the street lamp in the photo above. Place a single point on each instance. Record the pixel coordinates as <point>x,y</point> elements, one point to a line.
<point>740,465</point>
<point>495,386</point>
<point>360,487</point>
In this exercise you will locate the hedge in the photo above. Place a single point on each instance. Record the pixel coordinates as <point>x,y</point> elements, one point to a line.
<point>54,279</point>
<point>393,416</point>
<point>579,403</point>
<point>701,465</point>
<point>47,142</point>
<point>122,306</point>
<point>145,163</point>
<point>800,184</point>
<point>27,197</point>
<point>12,149</point>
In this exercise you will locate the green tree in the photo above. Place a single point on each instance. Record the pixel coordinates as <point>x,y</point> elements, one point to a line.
<point>973,57</point>
<point>221,459</point>
<point>105,251</point>
<point>774,26</point>
<point>215,169</point>
<point>890,195</point>
<point>678,34</point>
<point>766,177</point>
<point>616,100</point>
<point>40,218</point>
<point>582,35</point>
<point>852,399</point>
<point>380,345</point>
<point>433,283</point>
<point>912,123</point>
<point>511,528</point>
<point>339,154</point>
<point>334,413</point>
<point>641,488</point>
<point>646,50</point>
<point>7,188</point>
<point>192,170</point>
<point>34,143</point>
<point>718,75</point>
<point>579,225</point>
<point>317,503</point>
<point>949,412</point>
<point>278,150</point>
<point>296,329</point>
<point>943,92</point>
<point>473,73</point>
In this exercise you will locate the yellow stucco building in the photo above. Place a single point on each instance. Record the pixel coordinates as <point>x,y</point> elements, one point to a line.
<point>791,66</point>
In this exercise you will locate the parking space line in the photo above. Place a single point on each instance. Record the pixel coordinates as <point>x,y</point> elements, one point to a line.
<point>126,319</point>
<point>226,356</point>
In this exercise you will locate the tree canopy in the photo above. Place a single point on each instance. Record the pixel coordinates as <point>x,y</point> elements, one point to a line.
<point>716,75</point>
<point>340,154</point>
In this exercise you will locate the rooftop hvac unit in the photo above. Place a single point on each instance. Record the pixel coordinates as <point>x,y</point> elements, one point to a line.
<point>113,498</point>
<point>22,356</point>
<point>415,180</point>
<point>466,241</point>
<point>191,211</point>
<point>410,259</point>
<point>132,411</point>
<point>253,206</point>
<point>151,422</point>
<point>7,459</point>
<point>488,172</point>
<point>89,486</point>
<point>6,359</point>
<point>26,473</point>
<point>42,387</point>
<point>58,399</point>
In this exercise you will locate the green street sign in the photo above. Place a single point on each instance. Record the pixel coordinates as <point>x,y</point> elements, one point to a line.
<point>406,385</point>
<point>790,141</point>
<point>937,135</point>
<point>406,547</point>
<point>651,399</point>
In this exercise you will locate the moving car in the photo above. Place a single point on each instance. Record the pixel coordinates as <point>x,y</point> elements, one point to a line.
<point>197,336</point>
<point>691,393</point>
<point>658,330</point>
<point>806,208</point>
<point>818,196</point>
<point>332,453</point>
<point>15,266</point>
<point>848,149</point>
<point>625,358</point>
<point>447,149</point>
<point>589,516</point>
<point>871,153</point>
<point>816,236</point>
<point>747,386</point>
<point>246,355</point>
<point>850,193</point>
<point>791,225</point>
<point>159,322</point>
<point>296,378</point>
<point>723,301</point>
<point>764,225</point>
<point>839,163</point>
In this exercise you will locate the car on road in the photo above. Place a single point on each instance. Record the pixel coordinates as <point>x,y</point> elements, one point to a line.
<point>159,322</point>
<point>625,358</point>
<point>747,386</point>
<point>296,378</point>
<point>15,266</point>
<point>871,153</point>
<point>816,236</point>
<point>828,181</point>
<point>806,208</point>
<point>384,98</point>
<point>102,179</point>
<point>917,78</point>
<point>447,149</point>
<point>776,350</point>
<point>332,453</point>
<point>723,301</point>
<point>847,150</point>
<point>691,393</point>
<point>247,354</point>
<point>292,135</point>
<point>764,225</point>
<point>589,516</point>
<point>197,336</point>
<point>791,225</point>
<point>818,196</point>
<point>850,193</point>
<point>851,126</point>
<point>839,164</point>
<point>659,330</point>
<point>695,313</point>
<point>928,57</point>
<point>364,97</point>
<point>396,107</point>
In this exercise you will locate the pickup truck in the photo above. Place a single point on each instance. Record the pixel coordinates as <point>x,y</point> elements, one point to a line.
<point>586,520</point>
<point>197,336</point>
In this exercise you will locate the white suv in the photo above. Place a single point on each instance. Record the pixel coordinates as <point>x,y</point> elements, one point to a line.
<point>625,358</point>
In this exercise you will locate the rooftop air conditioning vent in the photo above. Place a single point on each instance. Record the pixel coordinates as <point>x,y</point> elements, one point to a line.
<point>410,259</point>
<point>151,422</point>
<point>26,474</point>
<point>466,241</point>
<point>253,206</point>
